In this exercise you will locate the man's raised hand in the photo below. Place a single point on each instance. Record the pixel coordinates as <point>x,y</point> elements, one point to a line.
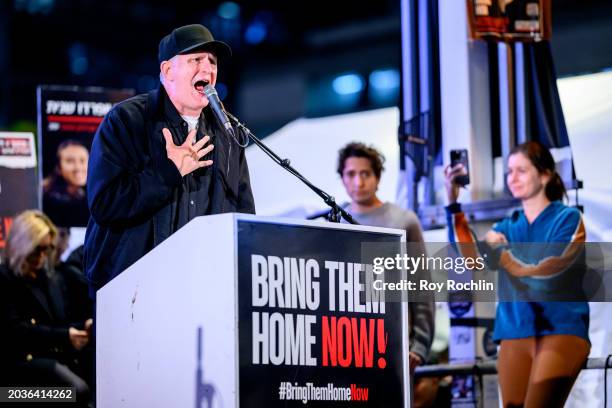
<point>186,157</point>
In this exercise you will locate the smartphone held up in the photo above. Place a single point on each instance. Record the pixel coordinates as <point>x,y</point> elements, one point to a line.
<point>460,156</point>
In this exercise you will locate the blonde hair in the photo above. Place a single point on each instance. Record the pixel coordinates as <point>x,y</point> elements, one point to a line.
<point>29,228</point>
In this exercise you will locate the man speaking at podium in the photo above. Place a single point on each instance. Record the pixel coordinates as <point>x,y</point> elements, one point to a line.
<point>159,160</point>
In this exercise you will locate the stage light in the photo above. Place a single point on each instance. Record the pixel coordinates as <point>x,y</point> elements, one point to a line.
<point>255,33</point>
<point>77,54</point>
<point>78,66</point>
<point>228,10</point>
<point>384,79</point>
<point>35,6</point>
<point>384,87</point>
<point>348,84</point>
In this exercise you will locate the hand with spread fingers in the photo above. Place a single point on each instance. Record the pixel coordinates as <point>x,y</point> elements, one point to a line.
<point>186,157</point>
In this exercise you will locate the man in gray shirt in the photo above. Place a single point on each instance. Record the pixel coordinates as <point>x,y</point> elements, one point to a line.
<point>360,168</point>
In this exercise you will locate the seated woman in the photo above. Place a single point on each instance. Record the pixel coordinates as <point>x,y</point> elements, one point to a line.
<point>543,344</point>
<point>41,348</point>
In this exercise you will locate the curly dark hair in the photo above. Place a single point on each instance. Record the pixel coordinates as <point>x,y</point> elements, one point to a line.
<point>356,149</point>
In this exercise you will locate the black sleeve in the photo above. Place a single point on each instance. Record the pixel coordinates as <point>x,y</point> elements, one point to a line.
<point>246,203</point>
<point>21,331</point>
<point>123,183</point>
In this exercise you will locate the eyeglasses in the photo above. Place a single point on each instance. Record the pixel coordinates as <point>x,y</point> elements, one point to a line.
<point>43,249</point>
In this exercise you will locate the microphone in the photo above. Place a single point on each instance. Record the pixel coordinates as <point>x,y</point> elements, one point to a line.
<point>217,107</point>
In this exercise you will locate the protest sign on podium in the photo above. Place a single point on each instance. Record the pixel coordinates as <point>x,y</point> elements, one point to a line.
<point>237,310</point>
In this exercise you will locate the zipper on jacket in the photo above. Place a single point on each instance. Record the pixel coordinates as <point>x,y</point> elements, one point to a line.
<point>229,156</point>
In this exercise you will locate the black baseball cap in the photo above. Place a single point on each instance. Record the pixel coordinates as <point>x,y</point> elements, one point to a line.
<point>189,39</point>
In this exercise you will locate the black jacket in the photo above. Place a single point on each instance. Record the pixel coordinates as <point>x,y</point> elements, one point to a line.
<point>34,322</point>
<point>132,185</point>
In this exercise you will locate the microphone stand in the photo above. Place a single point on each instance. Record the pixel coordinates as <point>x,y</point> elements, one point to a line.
<point>336,212</point>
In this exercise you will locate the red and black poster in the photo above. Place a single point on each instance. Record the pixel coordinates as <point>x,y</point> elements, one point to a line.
<point>68,118</point>
<point>18,178</point>
<point>305,334</point>
<point>510,20</point>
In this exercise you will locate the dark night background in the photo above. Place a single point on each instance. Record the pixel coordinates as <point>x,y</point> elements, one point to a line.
<point>286,53</point>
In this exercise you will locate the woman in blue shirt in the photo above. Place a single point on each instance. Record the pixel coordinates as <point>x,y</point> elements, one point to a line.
<point>543,344</point>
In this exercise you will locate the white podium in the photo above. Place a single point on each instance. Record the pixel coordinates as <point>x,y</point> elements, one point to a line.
<point>237,310</point>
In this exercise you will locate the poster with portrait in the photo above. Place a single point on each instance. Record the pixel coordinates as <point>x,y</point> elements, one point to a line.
<point>510,20</point>
<point>18,178</point>
<point>68,118</point>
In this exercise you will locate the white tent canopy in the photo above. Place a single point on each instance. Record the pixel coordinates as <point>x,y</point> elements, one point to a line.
<point>312,147</point>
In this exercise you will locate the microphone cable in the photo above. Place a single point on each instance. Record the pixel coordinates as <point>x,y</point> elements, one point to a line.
<point>606,380</point>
